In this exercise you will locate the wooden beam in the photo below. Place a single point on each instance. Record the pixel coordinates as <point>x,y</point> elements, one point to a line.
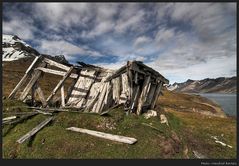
<point>24,78</point>
<point>33,93</point>
<point>54,63</point>
<point>70,89</point>
<point>108,136</point>
<point>56,72</point>
<point>60,84</point>
<point>134,100</point>
<point>34,130</point>
<point>41,96</point>
<point>117,73</point>
<point>62,96</point>
<point>34,78</point>
<point>143,95</point>
<point>9,118</point>
<point>156,94</point>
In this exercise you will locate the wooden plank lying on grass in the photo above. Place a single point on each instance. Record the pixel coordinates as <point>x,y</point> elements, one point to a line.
<point>20,119</point>
<point>9,118</point>
<point>34,130</point>
<point>112,137</point>
<point>44,113</point>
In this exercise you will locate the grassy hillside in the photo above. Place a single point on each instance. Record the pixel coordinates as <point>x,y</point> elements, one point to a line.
<point>191,125</point>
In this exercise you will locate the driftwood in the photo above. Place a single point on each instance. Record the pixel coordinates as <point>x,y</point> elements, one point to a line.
<point>108,136</point>
<point>34,130</point>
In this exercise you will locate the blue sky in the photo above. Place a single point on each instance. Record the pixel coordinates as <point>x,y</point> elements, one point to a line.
<point>180,40</point>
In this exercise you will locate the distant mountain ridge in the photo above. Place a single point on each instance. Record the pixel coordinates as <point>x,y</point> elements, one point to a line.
<point>217,85</point>
<point>14,48</point>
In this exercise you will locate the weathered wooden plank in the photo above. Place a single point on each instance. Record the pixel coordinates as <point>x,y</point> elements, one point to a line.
<point>151,94</point>
<point>153,72</point>
<point>33,93</point>
<point>24,78</point>
<point>118,138</point>
<point>143,95</point>
<point>41,96</point>
<point>34,78</point>
<point>56,72</point>
<point>59,84</point>
<point>9,118</point>
<point>70,90</point>
<point>34,130</point>
<point>53,63</point>
<point>124,96</point>
<point>117,73</point>
<point>32,64</point>
<point>156,94</point>
<point>135,99</point>
<point>44,113</point>
<point>62,96</point>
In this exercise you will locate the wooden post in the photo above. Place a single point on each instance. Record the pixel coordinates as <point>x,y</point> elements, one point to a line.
<point>143,95</point>
<point>135,98</point>
<point>62,96</point>
<point>33,93</point>
<point>41,96</point>
<point>34,78</point>
<point>24,78</point>
<point>156,94</point>
<point>59,84</point>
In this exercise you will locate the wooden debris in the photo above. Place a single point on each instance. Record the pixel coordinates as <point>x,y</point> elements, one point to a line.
<point>56,72</point>
<point>108,136</point>
<point>34,130</point>
<point>95,89</point>
<point>60,84</point>
<point>198,155</point>
<point>44,113</point>
<point>9,118</point>
<point>20,119</point>
<point>24,78</point>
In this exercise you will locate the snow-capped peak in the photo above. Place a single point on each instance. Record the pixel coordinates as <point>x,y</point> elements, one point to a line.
<point>10,39</point>
<point>14,48</point>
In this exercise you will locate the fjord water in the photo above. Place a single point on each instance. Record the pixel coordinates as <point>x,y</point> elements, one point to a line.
<point>226,101</point>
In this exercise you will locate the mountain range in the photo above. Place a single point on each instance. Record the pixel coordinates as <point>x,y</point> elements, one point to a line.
<point>14,48</point>
<point>208,85</point>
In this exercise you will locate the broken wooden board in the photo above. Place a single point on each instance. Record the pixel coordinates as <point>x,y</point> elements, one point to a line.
<point>9,118</point>
<point>108,136</point>
<point>34,130</point>
<point>24,78</point>
<point>56,72</point>
<point>59,85</point>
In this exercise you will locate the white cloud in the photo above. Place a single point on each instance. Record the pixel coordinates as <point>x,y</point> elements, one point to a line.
<point>21,28</point>
<point>141,40</point>
<point>64,48</point>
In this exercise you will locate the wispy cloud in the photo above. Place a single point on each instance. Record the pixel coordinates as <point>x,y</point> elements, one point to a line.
<point>180,40</point>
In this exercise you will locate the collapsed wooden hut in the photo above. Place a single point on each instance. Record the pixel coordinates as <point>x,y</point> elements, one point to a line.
<point>95,89</point>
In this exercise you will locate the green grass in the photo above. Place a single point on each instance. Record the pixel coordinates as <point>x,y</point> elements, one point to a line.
<point>54,141</point>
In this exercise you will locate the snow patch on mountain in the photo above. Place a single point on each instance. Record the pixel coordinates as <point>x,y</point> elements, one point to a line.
<point>13,48</point>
